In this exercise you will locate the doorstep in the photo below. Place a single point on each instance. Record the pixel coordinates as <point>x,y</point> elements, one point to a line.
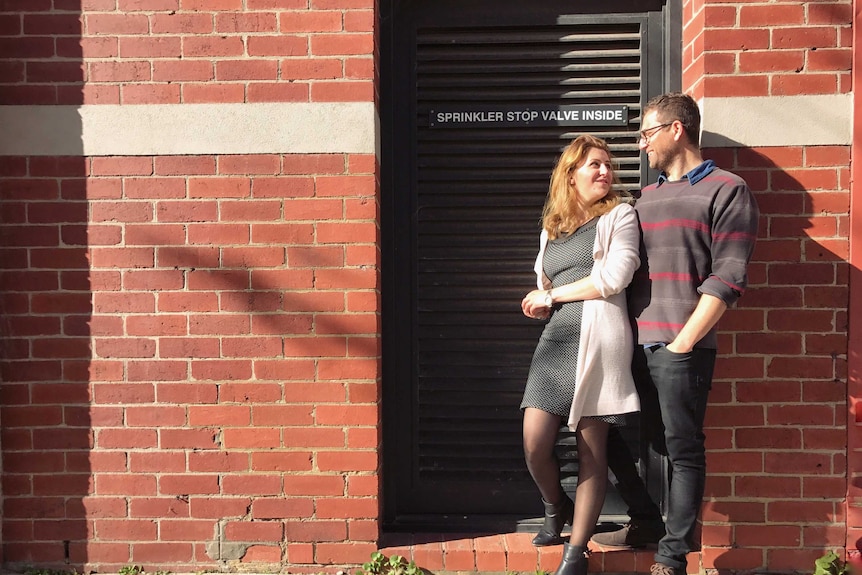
<point>441,553</point>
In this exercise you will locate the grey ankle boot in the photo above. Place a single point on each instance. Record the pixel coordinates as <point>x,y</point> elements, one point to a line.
<point>556,516</point>
<point>575,560</point>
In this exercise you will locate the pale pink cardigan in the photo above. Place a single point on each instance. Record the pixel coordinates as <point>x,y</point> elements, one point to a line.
<point>603,380</point>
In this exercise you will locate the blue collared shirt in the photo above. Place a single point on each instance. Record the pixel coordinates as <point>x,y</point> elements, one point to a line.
<point>693,176</point>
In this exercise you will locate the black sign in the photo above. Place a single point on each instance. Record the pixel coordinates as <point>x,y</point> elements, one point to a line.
<point>514,116</point>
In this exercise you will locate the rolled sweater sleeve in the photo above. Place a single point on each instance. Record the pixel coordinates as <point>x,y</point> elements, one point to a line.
<point>616,251</point>
<point>734,231</point>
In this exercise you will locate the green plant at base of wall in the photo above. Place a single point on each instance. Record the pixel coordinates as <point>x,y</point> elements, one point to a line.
<point>395,565</point>
<point>830,564</point>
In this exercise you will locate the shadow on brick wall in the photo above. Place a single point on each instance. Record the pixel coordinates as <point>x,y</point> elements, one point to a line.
<point>46,360</point>
<point>776,424</point>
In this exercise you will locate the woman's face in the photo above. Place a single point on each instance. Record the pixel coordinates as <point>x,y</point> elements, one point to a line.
<point>593,178</point>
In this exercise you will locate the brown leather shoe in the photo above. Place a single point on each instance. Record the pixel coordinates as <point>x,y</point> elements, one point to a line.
<point>633,534</point>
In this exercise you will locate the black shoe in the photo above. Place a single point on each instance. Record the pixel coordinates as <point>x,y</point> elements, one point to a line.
<point>637,533</point>
<point>575,561</point>
<point>556,516</point>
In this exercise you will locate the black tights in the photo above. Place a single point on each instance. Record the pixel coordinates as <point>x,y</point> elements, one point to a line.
<point>540,435</point>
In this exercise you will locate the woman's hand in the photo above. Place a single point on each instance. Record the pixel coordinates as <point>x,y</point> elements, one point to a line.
<point>533,305</point>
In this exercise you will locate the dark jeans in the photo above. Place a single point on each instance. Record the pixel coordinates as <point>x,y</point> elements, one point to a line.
<point>673,388</point>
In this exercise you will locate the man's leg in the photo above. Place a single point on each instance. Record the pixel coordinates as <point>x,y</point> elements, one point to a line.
<point>641,508</point>
<point>683,382</point>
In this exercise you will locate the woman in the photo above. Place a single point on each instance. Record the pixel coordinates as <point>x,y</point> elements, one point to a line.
<point>581,369</point>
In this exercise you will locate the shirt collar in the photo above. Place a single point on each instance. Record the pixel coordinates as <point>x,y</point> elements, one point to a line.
<point>695,175</point>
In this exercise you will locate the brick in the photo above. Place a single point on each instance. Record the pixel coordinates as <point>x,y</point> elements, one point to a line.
<point>359,68</point>
<point>249,392</point>
<point>149,94</point>
<point>830,14</point>
<point>187,530</point>
<point>182,23</point>
<point>220,461</point>
<point>223,234</point>
<point>182,71</point>
<point>281,45</point>
<point>185,165</point>
<point>827,59</point>
<point>771,61</point>
<point>98,94</point>
<point>157,371</point>
<point>219,187</point>
<point>122,166</point>
<point>311,69</point>
<point>131,24</point>
<point>230,70</point>
<point>257,484</point>
<point>188,483</point>
<point>155,416</point>
<point>220,507</point>
<point>52,24</point>
<point>345,186</point>
<point>123,393</point>
<point>278,92</point>
<point>807,84</point>
<point>254,531</point>
<point>150,47</point>
<point>262,554</point>
<point>125,529</point>
<point>359,21</point>
<point>54,72</point>
<point>348,369</point>
<point>345,91</point>
<point>188,257</point>
<point>187,302</point>
<point>804,37</point>
<point>141,485</point>
<point>187,438</point>
<point>166,552</point>
<point>252,438</point>
<point>347,461</point>
<point>283,187</point>
<point>157,462</point>
<point>771,16</point>
<point>248,164</point>
<point>213,93</point>
<point>304,21</point>
<point>187,211</point>
<point>207,47</point>
<point>315,531</point>
<point>736,86</point>
<point>88,47</point>
<point>147,5</point>
<point>246,22</point>
<point>342,44</point>
<point>283,462</point>
<point>212,5</point>
<point>221,415</point>
<point>27,47</point>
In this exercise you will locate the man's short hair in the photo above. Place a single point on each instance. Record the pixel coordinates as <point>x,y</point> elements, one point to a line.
<point>677,106</point>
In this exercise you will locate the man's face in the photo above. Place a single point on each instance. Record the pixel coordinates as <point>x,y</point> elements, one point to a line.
<point>656,140</point>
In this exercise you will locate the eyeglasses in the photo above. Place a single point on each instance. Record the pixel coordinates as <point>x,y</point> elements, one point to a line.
<point>647,134</point>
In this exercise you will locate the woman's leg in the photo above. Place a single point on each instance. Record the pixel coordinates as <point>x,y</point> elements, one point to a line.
<point>592,436</point>
<point>540,435</point>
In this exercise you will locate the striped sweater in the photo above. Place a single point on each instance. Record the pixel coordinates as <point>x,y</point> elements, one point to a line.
<point>698,235</point>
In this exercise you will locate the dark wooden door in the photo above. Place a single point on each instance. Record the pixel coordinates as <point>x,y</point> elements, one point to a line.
<point>461,208</point>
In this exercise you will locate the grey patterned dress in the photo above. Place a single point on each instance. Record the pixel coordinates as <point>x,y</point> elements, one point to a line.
<point>551,382</point>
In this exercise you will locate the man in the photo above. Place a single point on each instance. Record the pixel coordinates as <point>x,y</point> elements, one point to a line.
<point>699,225</point>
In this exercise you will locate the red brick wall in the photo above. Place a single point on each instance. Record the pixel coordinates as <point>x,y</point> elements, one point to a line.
<point>776,424</point>
<point>185,51</point>
<point>191,355</point>
<point>777,421</point>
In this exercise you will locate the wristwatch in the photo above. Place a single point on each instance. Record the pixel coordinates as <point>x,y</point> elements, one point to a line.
<point>549,299</point>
